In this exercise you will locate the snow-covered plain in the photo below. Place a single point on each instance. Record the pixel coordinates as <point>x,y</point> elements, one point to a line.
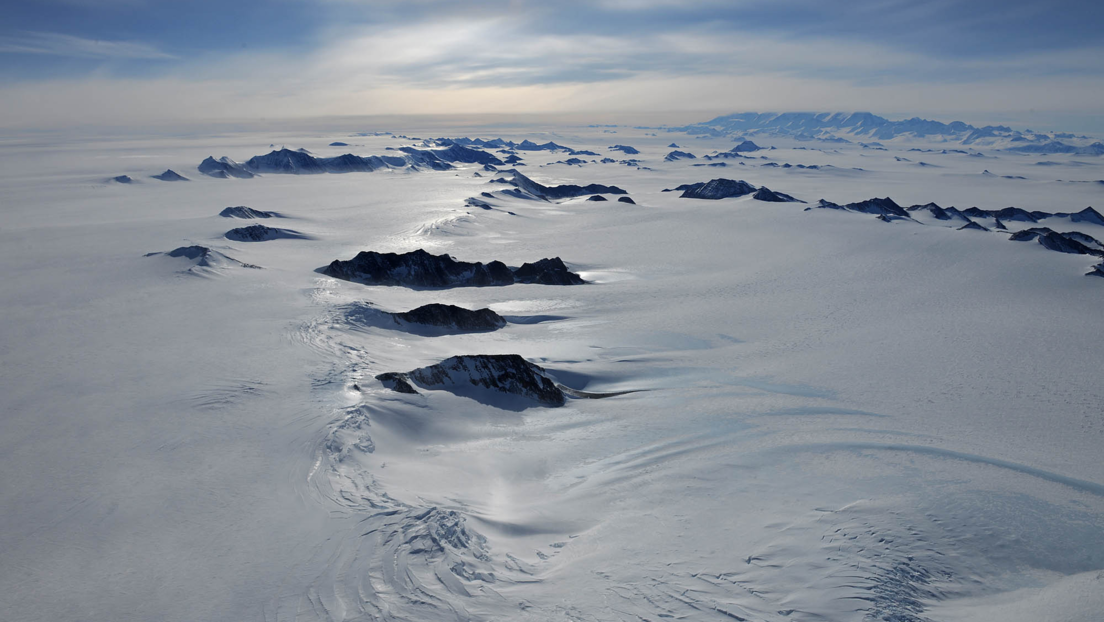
<point>835,417</point>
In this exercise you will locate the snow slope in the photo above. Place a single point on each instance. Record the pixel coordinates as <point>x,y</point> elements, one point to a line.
<point>832,418</point>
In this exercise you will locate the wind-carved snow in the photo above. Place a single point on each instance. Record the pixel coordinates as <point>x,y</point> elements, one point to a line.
<point>813,415</point>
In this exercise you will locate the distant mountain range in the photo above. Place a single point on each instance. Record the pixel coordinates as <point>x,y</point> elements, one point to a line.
<point>840,127</point>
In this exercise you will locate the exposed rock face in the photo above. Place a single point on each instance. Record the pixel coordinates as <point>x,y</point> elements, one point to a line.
<point>972,226</point>
<point>1088,215</point>
<point>506,374</point>
<point>396,382</point>
<point>242,211</point>
<point>528,145</point>
<point>745,146</point>
<point>122,179</point>
<point>170,175</point>
<point>679,155</point>
<point>626,200</point>
<point>474,202</point>
<point>339,144</point>
<point>260,233</point>
<point>597,197</point>
<point>453,317</point>
<point>766,194</point>
<point>421,269</point>
<point>301,162</point>
<point>203,259</point>
<point>223,168</point>
<point>716,189</point>
<point>567,191</point>
<point>547,272</point>
<point>465,155</point>
<point>1061,242</point>
<point>627,150</point>
<point>418,269</point>
<point>879,207</point>
<point>1060,147</point>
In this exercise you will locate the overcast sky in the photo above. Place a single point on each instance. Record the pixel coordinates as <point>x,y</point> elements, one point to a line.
<point>110,61</point>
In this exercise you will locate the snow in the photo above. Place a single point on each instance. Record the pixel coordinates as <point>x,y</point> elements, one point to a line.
<point>831,417</point>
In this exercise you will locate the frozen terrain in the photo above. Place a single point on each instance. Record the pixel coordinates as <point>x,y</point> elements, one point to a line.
<point>861,408</point>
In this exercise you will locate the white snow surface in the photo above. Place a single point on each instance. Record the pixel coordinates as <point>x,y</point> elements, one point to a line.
<point>838,418</point>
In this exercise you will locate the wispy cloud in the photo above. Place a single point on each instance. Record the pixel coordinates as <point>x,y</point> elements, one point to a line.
<point>57,44</point>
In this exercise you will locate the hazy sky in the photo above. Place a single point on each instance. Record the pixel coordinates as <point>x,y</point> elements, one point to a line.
<point>111,61</point>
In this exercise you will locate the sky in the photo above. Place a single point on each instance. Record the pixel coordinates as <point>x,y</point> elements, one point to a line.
<point>89,62</point>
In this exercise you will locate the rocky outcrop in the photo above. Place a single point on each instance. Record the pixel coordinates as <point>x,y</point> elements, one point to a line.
<point>597,197</point>
<point>971,225</point>
<point>223,168</point>
<point>553,193</point>
<point>679,155</point>
<point>716,189</point>
<point>626,200</point>
<point>1088,215</point>
<point>547,272</point>
<point>766,194</point>
<point>170,175</point>
<point>242,211</point>
<point>261,233</point>
<point>481,376</point>
<point>421,269</point>
<point>878,207</point>
<point>203,260</point>
<point>452,317</point>
<point>745,146</point>
<point>627,150</point>
<point>122,179</point>
<point>1061,242</point>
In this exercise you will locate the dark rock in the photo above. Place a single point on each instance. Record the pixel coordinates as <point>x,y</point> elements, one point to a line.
<point>596,197</point>
<point>972,226</point>
<point>879,207</point>
<point>512,159</point>
<point>451,316</point>
<point>506,374</point>
<point>490,168</point>
<point>528,145</point>
<point>1088,215</point>
<point>627,150</point>
<point>547,272</point>
<point>339,144</point>
<point>261,233</point>
<point>566,191</point>
<point>766,194</point>
<point>396,382</point>
<point>679,155</point>
<point>1055,241</point>
<point>474,202</point>
<point>242,211</point>
<point>170,175</point>
<point>421,269</point>
<point>716,189</point>
<point>204,258</point>
<point>626,200</point>
<point>223,168</point>
<point>418,269</point>
<point>672,146</point>
<point>122,179</point>
<point>745,146</point>
<point>487,194</point>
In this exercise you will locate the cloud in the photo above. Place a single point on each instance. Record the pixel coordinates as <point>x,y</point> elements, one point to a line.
<point>57,44</point>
